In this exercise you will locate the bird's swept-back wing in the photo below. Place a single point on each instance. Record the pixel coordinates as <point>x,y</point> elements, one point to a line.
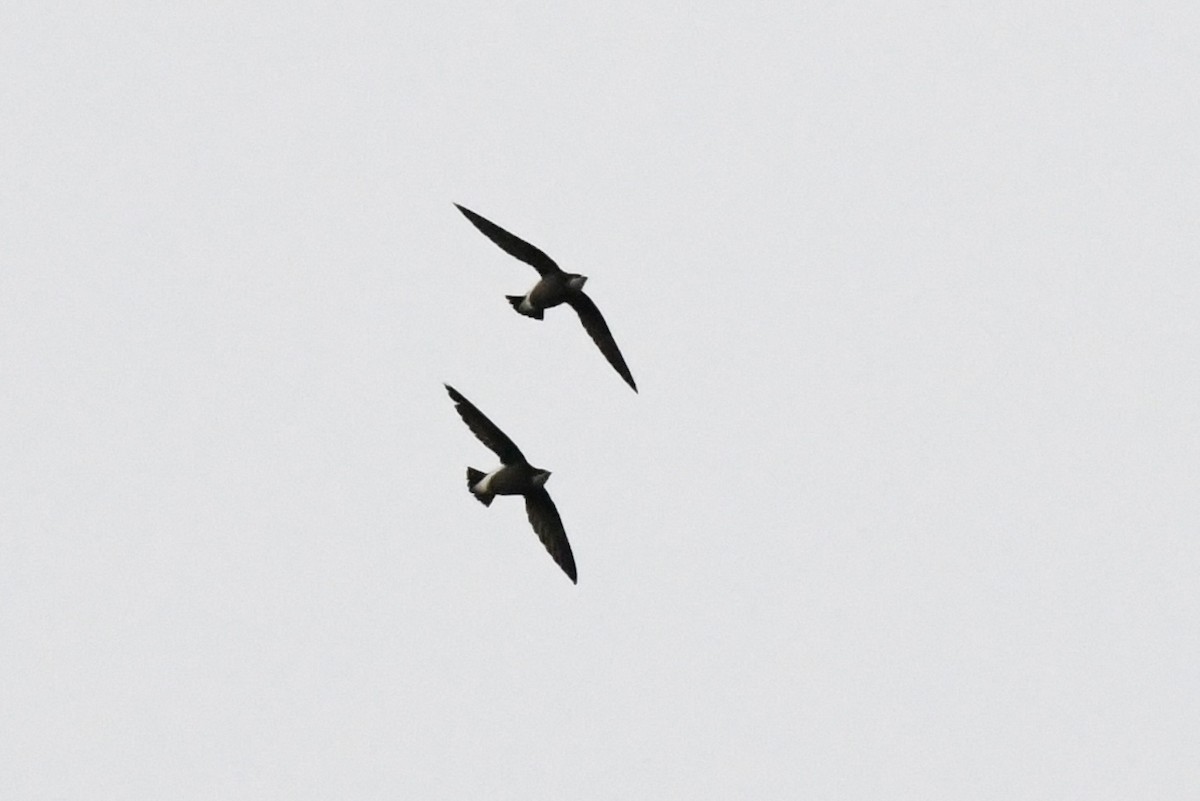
<point>487,431</point>
<point>510,244</point>
<point>593,323</point>
<point>549,528</point>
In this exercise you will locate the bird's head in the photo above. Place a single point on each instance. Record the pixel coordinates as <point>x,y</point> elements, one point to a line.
<point>576,282</point>
<point>540,477</point>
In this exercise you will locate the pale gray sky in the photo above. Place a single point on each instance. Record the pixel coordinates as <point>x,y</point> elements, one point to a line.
<point>907,507</point>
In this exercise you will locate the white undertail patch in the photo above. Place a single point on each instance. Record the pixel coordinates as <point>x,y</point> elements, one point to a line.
<point>484,486</point>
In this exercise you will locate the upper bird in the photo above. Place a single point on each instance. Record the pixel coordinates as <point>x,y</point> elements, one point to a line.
<point>515,476</point>
<point>555,287</point>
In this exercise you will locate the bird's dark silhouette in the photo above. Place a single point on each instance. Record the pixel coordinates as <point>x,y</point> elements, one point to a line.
<point>554,287</point>
<point>515,476</point>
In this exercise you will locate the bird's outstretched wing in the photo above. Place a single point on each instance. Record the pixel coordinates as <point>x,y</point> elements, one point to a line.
<point>549,528</point>
<point>510,244</point>
<point>485,429</point>
<point>593,323</point>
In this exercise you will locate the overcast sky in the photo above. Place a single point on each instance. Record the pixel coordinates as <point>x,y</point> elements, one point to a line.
<point>908,506</point>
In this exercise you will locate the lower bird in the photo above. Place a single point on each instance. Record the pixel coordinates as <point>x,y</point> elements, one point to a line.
<point>515,476</point>
<point>553,288</point>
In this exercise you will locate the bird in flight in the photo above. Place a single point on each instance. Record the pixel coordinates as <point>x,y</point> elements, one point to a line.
<point>554,287</point>
<point>515,476</point>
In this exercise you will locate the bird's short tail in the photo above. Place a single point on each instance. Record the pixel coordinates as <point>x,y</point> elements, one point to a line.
<point>517,300</point>
<point>474,477</point>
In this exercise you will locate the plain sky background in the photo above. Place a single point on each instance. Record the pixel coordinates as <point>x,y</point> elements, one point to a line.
<point>908,506</point>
